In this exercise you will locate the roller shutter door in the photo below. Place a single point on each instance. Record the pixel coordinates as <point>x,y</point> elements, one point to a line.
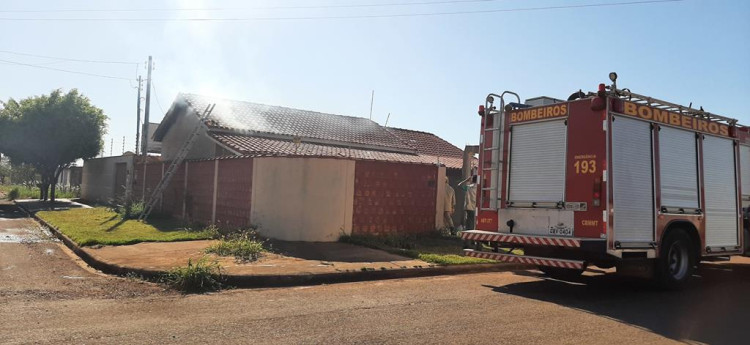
<point>632,180</point>
<point>745,169</point>
<point>537,162</point>
<point>721,192</point>
<point>679,168</point>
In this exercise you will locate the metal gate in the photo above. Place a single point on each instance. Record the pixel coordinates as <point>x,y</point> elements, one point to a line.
<point>632,181</point>
<point>721,192</point>
<point>537,162</point>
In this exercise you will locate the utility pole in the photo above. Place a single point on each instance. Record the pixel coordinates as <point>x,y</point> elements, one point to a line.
<point>138,118</point>
<point>372,100</point>
<point>144,151</point>
<point>123,144</point>
<point>111,146</point>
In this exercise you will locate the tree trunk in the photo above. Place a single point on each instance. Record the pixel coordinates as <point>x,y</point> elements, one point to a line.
<point>52,191</point>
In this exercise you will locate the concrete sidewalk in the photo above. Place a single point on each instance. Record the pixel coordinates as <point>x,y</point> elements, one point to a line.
<point>291,264</point>
<point>299,259</point>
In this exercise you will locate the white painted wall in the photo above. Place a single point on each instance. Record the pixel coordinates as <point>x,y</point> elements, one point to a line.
<point>204,146</point>
<point>303,199</point>
<point>98,181</point>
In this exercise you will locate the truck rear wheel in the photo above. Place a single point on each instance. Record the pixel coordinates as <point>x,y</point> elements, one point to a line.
<point>676,260</point>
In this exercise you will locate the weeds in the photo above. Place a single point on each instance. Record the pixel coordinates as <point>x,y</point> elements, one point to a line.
<point>13,194</point>
<point>199,276</point>
<point>433,248</point>
<point>129,209</point>
<point>245,245</point>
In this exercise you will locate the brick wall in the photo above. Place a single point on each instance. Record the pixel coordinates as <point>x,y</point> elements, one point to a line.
<point>234,192</point>
<point>200,192</point>
<point>394,197</point>
<point>174,193</point>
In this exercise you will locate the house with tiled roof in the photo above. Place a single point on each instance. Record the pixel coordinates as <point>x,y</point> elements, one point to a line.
<point>298,175</point>
<point>240,128</point>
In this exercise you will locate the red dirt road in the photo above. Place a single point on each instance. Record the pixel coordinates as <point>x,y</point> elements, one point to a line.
<point>48,298</point>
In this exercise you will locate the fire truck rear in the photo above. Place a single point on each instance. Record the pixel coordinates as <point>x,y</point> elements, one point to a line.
<point>611,179</point>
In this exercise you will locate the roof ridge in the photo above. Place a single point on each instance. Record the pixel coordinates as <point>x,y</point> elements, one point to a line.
<point>278,106</point>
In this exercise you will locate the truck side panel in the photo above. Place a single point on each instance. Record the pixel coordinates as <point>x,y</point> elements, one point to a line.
<point>586,164</point>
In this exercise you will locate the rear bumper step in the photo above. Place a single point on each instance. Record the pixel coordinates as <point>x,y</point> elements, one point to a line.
<point>479,235</point>
<point>532,260</point>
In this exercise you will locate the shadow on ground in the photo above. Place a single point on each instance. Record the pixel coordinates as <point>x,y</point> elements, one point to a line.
<point>59,205</point>
<point>713,309</point>
<point>332,251</point>
<point>11,212</point>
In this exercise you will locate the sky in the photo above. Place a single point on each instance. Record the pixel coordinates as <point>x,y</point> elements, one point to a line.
<point>430,72</point>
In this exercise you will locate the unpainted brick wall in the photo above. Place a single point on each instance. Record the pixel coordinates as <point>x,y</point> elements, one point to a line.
<point>174,193</point>
<point>153,176</point>
<point>394,198</point>
<point>234,189</point>
<point>200,192</point>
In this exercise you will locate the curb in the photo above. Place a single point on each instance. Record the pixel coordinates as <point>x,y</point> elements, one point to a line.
<point>261,281</point>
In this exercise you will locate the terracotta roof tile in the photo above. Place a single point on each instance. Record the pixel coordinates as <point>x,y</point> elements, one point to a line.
<point>256,146</point>
<point>427,143</point>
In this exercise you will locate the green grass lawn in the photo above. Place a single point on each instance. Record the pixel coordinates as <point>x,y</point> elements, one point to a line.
<point>429,248</point>
<point>33,192</point>
<point>99,225</point>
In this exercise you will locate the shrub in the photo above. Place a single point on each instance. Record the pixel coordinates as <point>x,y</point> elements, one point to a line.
<point>199,276</point>
<point>244,245</point>
<point>129,209</point>
<point>14,194</point>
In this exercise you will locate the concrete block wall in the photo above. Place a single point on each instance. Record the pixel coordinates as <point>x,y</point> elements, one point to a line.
<point>98,177</point>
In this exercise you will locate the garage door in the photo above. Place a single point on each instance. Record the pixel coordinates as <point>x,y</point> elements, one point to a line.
<point>632,181</point>
<point>537,162</point>
<point>721,192</point>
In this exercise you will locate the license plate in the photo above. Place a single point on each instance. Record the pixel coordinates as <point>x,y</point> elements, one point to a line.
<point>561,231</point>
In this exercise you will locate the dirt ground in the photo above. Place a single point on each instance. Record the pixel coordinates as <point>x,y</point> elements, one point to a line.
<point>293,260</point>
<point>48,297</point>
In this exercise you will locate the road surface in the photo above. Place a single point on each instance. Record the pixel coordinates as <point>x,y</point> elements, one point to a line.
<point>48,297</point>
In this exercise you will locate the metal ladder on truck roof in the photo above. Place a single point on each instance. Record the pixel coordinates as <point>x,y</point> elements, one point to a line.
<point>495,149</point>
<point>156,195</point>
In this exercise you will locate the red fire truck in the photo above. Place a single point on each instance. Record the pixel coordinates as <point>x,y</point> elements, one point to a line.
<point>611,179</point>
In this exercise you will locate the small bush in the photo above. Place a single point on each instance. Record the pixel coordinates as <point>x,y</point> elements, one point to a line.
<point>129,209</point>
<point>244,245</point>
<point>199,276</point>
<point>14,194</point>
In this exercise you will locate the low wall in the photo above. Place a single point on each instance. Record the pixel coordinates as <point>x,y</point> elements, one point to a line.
<point>303,199</point>
<point>395,197</point>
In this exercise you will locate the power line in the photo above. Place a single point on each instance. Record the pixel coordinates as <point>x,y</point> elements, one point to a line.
<point>432,14</point>
<point>63,70</point>
<point>68,59</point>
<point>153,86</point>
<point>392,4</point>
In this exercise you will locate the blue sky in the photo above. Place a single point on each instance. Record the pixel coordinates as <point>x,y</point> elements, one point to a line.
<point>429,72</point>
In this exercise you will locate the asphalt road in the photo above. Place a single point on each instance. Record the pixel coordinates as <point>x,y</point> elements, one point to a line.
<point>46,296</point>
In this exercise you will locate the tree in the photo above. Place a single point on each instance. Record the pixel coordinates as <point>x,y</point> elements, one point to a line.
<point>50,132</point>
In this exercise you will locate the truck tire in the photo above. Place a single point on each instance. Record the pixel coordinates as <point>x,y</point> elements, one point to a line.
<point>676,261</point>
<point>560,273</point>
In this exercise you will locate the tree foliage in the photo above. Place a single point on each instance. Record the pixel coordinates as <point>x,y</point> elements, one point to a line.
<point>49,132</point>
